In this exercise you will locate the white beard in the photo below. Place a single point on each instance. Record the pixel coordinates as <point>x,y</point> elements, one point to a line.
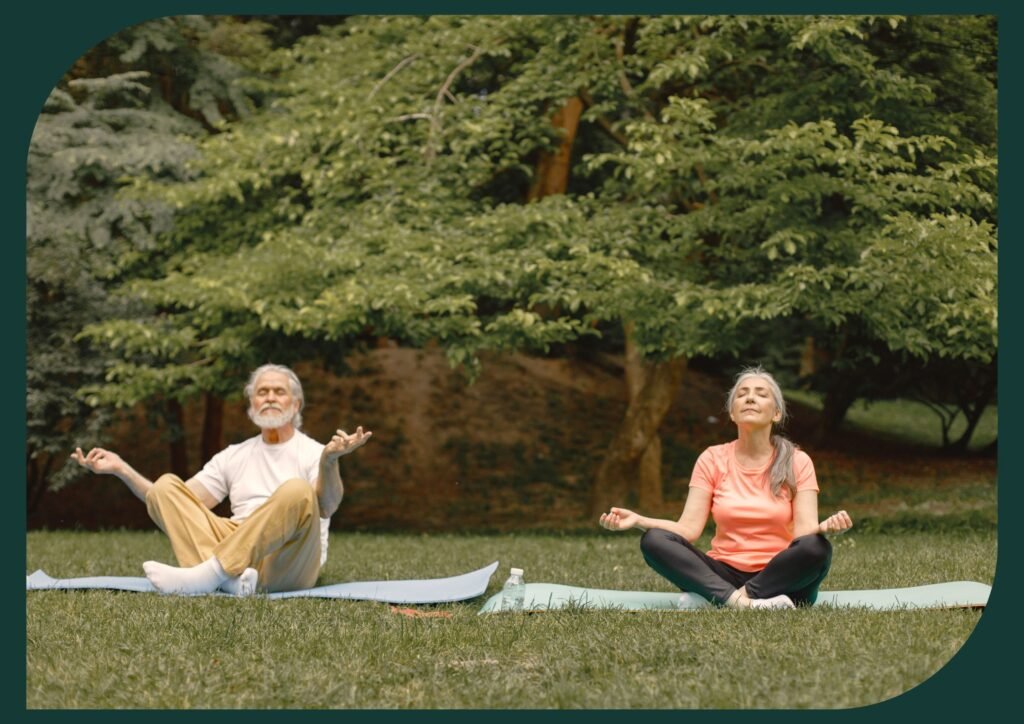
<point>271,419</point>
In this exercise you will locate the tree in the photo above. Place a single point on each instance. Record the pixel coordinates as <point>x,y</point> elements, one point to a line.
<point>954,62</point>
<point>133,106</point>
<point>727,173</point>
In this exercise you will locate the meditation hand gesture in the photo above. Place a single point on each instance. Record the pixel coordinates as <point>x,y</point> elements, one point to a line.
<point>619,519</point>
<point>100,461</point>
<point>343,443</point>
<point>836,523</point>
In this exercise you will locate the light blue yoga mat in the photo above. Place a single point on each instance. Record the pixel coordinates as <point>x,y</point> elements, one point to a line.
<point>552,596</point>
<point>431,590</point>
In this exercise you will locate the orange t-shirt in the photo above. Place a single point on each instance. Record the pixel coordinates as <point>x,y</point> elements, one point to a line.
<point>751,524</point>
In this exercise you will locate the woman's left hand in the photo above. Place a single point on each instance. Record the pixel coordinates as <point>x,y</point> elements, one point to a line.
<point>836,523</point>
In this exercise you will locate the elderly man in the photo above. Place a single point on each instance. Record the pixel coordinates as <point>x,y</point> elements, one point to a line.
<point>283,487</point>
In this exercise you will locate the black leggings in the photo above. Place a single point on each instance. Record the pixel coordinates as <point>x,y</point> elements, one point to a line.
<point>796,571</point>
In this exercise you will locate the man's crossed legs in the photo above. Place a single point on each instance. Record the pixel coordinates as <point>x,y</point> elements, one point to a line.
<point>277,548</point>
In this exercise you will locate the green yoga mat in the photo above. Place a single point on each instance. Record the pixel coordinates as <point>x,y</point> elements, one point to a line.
<point>552,596</point>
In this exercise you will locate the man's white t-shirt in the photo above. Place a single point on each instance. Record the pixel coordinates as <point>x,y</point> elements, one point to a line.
<point>247,473</point>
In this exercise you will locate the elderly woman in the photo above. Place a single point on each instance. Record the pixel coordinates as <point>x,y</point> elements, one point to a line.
<point>769,549</point>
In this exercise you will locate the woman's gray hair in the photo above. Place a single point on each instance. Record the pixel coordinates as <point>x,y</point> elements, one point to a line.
<point>293,382</point>
<point>781,471</point>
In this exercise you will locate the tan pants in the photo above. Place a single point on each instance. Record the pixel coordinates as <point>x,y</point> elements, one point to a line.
<point>281,539</point>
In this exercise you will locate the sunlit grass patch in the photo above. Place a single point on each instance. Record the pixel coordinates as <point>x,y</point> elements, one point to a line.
<point>906,420</point>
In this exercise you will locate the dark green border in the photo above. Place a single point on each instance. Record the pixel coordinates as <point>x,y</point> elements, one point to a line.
<point>45,38</point>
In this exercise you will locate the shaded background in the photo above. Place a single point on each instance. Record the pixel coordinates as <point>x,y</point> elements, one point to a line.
<point>612,215</point>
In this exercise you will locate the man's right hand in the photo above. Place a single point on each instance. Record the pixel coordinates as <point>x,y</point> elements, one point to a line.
<point>99,461</point>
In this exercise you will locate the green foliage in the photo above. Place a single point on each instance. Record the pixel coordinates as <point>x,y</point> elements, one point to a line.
<point>80,237</point>
<point>197,61</point>
<point>811,223</point>
<point>731,174</point>
<point>111,119</point>
<point>932,77</point>
<point>938,278</point>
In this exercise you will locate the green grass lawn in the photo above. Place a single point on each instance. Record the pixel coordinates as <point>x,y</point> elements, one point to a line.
<point>103,649</point>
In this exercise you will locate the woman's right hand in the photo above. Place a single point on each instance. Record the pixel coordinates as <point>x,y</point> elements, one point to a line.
<point>619,519</point>
<point>836,523</point>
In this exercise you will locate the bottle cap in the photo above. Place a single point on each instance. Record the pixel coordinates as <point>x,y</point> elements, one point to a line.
<point>516,571</point>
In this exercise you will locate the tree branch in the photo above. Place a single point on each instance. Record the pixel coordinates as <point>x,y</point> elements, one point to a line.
<point>624,83</point>
<point>605,124</point>
<point>435,121</point>
<point>391,74</point>
<point>699,169</point>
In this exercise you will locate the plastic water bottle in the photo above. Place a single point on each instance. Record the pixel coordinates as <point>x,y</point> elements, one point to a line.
<point>513,592</point>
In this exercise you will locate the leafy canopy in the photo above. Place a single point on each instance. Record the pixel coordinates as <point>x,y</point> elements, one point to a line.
<point>729,172</point>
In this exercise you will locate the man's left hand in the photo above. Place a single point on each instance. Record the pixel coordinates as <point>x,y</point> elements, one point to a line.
<point>342,443</point>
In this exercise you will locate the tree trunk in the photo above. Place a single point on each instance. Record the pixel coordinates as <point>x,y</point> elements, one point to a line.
<point>839,397</point>
<point>649,488</point>
<point>973,410</point>
<point>650,492</point>
<point>973,418</point>
<point>633,461</point>
<point>213,426</point>
<point>812,358</point>
<point>179,453</point>
<point>552,172</point>
<point>947,424</point>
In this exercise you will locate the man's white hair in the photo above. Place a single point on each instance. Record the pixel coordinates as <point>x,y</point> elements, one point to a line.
<point>293,382</point>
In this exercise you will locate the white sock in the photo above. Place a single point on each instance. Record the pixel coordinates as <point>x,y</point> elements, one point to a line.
<point>780,601</point>
<point>203,578</point>
<point>243,585</point>
<point>738,599</point>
